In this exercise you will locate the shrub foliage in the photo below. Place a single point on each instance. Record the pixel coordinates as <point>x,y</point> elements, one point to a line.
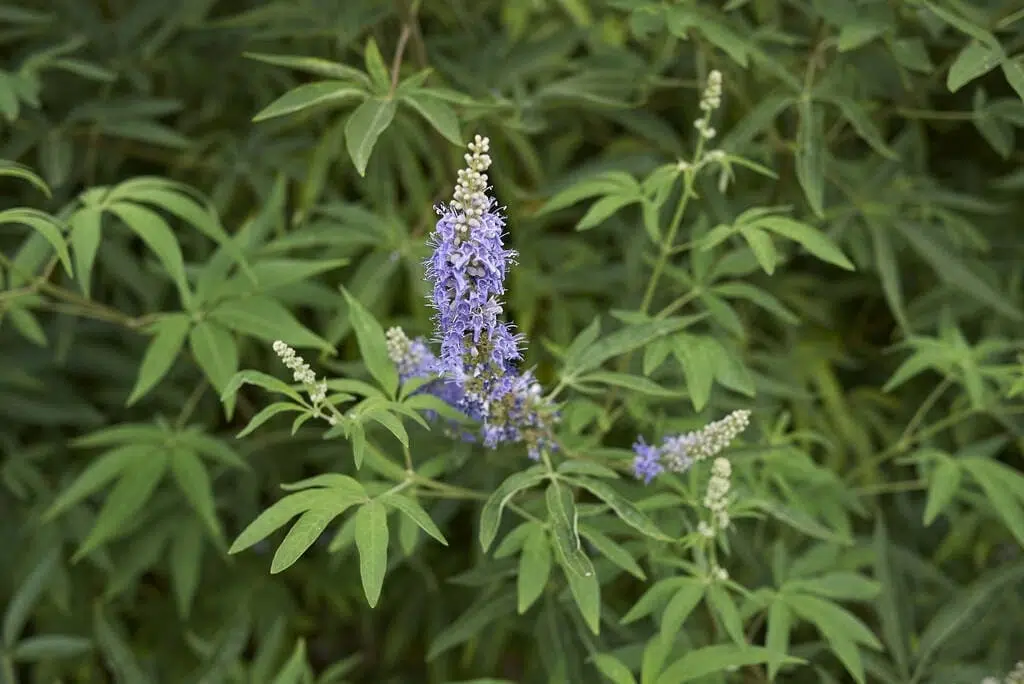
<point>832,254</point>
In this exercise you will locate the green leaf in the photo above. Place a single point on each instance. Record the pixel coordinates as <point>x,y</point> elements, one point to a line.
<point>306,530</point>
<point>364,127</point>
<point>194,482</point>
<point>613,669</point>
<point>158,236</point>
<point>841,629</point>
<point>101,471</point>
<point>125,501</point>
<point>468,625</point>
<point>854,113</point>
<point>941,257</point>
<point>214,350</point>
<point>724,608</point>
<point>272,519</point>
<point>943,485</point>
<point>710,660</point>
<point>809,238</point>
<point>838,584</point>
<point>372,345</point>
<point>310,95</point>
<point>86,232</point>
<point>267,382</point>
<point>312,65</point>
<point>606,183</point>
<point>293,671</point>
<point>680,606</point>
<point>168,338</point>
<point>586,592</point>
<point>375,66</point>
<point>636,383</point>
<point>45,225</point>
<point>414,511</point>
<point>118,655</point>
<point>780,622</point>
<point>437,113</point>
<point>625,509</point>
<point>996,480</point>
<point>1013,70</point>
<point>622,341</point>
<point>15,170</point>
<point>696,358</point>
<point>490,516</point>
<point>372,542</point>
<point>267,319</point>
<point>973,61</point>
<point>564,526</point>
<point>810,154</point>
<point>20,607</point>
<point>266,414</point>
<point>186,559</point>
<point>963,612</point>
<point>534,567</point>
<point>49,647</point>
<point>761,245</point>
<point>613,551</point>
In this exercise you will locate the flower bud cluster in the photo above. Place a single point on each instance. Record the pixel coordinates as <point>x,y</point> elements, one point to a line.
<point>301,372</point>
<point>716,499</point>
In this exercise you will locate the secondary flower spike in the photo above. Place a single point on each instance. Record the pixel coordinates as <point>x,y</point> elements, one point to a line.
<point>678,453</point>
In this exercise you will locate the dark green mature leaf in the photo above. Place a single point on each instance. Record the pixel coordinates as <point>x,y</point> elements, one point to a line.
<point>564,522</point>
<point>534,567</point>
<point>490,516</point>
<point>372,542</point>
<point>25,597</point>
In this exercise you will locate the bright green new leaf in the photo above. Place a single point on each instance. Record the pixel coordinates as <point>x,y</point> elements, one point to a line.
<point>169,335</point>
<point>814,241</point>
<point>310,95</point>
<point>687,597</point>
<point>364,127</point>
<point>312,65</point>
<point>613,669</point>
<point>944,482</point>
<point>215,351</point>
<point>437,113</point>
<point>414,511</point>
<point>275,517</point>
